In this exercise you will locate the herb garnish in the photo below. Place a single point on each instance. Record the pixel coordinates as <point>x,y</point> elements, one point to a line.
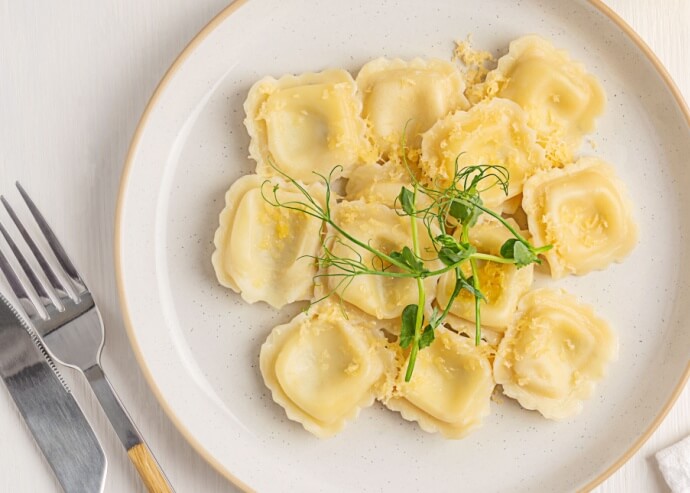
<point>447,220</point>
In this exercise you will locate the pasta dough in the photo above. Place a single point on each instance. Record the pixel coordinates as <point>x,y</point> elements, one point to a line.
<point>323,368</point>
<point>260,249</point>
<point>554,353</point>
<point>451,388</point>
<point>561,98</point>
<point>529,116</point>
<point>413,94</point>
<point>384,229</point>
<point>305,124</point>
<point>501,284</point>
<point>381,183</point>
<point>583,211</point>
<point>493,132</point>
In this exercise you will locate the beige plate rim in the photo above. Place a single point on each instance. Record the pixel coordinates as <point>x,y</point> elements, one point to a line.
<point>186,52</point>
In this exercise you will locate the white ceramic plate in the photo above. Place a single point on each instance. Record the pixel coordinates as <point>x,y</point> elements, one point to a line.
<point>199,343</point>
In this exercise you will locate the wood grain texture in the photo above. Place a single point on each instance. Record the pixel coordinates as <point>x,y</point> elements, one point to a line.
<point>75,76</point>
<point>148,469</point>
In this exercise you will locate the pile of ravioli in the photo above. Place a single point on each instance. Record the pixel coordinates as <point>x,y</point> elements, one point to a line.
<point>528,113</point>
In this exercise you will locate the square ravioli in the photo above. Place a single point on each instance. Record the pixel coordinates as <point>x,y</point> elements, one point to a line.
<point>553,353</point>
<point>494,132</point>
<point>451,388</point>
<point>323,367</point>
<point>411,95</point>
<point>306,124</point>
<point>262,251</point>
<point>561,98</point>
<point>583,210</point>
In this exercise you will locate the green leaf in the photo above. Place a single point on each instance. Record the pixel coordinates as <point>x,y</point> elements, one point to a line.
<point>427,337</point>
<point>446,240</point>
<point>507,249</point>
<point>458,252</point>
<point>409,259</point>
<point>517,250</point>
<point>396,256</point>
<point>459,211</point>
<point>449,257</point>
<point>409,320</point>
<point>467,284</point>
<point>523,255</point>
<point>466,210</point>
<point>406,199</point>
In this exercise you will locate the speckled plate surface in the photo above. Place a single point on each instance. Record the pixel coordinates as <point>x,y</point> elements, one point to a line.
<point>199,343</point>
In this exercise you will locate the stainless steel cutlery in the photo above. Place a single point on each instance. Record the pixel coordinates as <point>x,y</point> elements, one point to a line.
<point>67,321</point>
<point>53,416</point>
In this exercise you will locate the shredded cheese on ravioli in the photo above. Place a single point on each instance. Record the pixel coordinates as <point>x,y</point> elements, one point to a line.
<point>584,211</point>
<point>553,353</point>
<point>414,124</point>
<point>476,63</point>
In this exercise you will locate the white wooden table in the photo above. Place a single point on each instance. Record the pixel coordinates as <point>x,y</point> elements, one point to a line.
<point>75,76</point>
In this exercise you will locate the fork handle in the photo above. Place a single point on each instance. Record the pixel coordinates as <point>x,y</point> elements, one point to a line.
<point>137,450</point>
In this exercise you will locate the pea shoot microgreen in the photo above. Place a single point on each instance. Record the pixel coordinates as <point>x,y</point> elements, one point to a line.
<point>449,214</point>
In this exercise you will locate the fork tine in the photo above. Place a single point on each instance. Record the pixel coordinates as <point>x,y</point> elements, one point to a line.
<point>20,292</point>
<point>52,278</point>
<point>18,288</point>
<point>14,282</point>
<point>37,285</point>
<point>53,242</point>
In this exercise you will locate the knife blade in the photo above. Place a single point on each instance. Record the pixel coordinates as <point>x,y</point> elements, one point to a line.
<point>53,416</point>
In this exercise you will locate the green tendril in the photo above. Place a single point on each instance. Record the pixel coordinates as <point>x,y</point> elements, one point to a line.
<point>454,206</point>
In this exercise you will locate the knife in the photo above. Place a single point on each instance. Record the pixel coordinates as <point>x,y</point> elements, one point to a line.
<point>56,421</point>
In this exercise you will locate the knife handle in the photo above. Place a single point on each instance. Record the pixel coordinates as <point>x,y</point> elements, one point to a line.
<point>139,453</point>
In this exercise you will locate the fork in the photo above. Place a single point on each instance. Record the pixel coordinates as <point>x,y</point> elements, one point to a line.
<point>72,331</point>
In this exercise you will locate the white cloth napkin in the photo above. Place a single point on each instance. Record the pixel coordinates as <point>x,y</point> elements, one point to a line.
<point>674,463</point>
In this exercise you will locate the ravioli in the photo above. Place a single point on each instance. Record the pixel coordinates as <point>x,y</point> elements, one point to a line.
<point>501,284</point>
<point>306,124</point>
<point>512,206</point>
<point>560,97</point>
<point>528,118</point>
<point>323,368</point>
<point>385,230</point>
<point>554,353</point>
<point>451,388</point>
<point>261,251</point>
<point>583,210</point>
<point>381,184</point>
<point>494,132</point>
<point>409,95</point>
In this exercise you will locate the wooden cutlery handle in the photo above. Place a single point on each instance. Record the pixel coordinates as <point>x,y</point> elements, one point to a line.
<point>148,469</point>
<point>138,452</point>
